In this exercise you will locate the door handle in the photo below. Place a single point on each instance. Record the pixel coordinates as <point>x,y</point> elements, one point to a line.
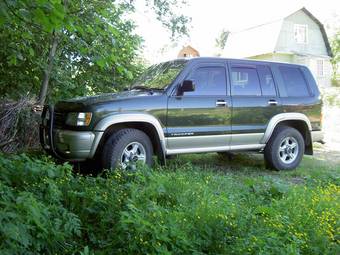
<point>272,102</point>
<point>221,103</point>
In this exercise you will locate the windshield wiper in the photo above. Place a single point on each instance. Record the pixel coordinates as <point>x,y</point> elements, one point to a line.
<point>145,88</point>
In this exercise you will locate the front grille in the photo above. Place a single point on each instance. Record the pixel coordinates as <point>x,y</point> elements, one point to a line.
<point>59,119</point>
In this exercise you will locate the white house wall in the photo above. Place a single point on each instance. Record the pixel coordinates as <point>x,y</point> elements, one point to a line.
<point>323,81</point>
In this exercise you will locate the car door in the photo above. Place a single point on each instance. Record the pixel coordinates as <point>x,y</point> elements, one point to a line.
<point>200,120</point>
<point>254,101</point>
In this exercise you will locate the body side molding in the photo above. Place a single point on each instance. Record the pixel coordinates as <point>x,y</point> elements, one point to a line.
<point>274,121</point>
<point>216,149</point>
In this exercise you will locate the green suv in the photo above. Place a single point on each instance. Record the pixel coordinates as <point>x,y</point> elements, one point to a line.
<point>192,106</point>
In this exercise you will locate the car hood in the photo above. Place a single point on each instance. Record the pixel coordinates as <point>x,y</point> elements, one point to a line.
<point>78,102</point>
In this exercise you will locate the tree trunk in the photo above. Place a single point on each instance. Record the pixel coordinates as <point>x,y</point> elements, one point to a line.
<point>48,69</point>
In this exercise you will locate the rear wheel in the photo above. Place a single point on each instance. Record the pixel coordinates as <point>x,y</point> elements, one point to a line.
<point>285,149</point>
<point>126,149</point>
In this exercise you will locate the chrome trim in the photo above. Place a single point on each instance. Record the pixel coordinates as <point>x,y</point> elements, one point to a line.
<point>216,149</point>
<point>282,117</point>
<point>317,136</point>
<point>272,102</point>
<point>221,103</point>
<point>73,145</point>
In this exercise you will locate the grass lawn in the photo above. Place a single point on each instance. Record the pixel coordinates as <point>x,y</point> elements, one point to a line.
<point>198,204</point>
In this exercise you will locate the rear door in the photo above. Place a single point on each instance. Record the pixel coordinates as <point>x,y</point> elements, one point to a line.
<point>201,120</point>
<point>254,99</point>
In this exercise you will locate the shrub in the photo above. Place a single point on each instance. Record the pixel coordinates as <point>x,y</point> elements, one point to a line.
<point>47,209</point>
<point>19,125</point>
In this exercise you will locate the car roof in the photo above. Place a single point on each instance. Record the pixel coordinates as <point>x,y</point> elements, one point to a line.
<point>206,59</point>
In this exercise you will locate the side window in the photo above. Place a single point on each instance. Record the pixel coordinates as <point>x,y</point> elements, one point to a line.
<point>209,81</point>
<point>266,80</point>
<point>295,83</point>
<point>244,82</point>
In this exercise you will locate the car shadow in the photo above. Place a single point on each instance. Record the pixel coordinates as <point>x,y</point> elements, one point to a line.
<point>235,162</point>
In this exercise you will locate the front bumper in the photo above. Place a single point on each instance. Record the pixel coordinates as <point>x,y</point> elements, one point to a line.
<point>73,144</point>
<point>67,144</point>
<point>317,136</point>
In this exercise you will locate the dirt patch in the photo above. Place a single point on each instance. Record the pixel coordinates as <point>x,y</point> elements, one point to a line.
<point>327,153</point>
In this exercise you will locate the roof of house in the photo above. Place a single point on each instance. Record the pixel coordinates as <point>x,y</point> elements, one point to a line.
<point>262,39</point>
<point>188,49</point>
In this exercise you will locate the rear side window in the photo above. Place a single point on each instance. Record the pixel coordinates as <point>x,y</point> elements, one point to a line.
<point>209,81</point>
<point>267,81</point>
<point>296,85</point>
<point>245,82</point>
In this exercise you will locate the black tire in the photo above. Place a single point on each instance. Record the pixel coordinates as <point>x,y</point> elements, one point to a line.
<point>117,142</point>
<point>274,158</point>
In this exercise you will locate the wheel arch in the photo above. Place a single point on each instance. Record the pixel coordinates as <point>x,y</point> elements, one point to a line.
<point>298,121</point>
<point>144,122</point>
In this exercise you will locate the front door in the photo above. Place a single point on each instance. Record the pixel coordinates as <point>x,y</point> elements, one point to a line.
<point>254,100</point>
<point>200,120</point>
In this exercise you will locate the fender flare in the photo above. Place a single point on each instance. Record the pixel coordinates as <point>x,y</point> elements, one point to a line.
<point>117,118</point>
<point>274,121</point>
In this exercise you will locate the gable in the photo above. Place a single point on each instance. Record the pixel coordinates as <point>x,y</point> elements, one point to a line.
<point>315,39</point>
<point>278,37</point>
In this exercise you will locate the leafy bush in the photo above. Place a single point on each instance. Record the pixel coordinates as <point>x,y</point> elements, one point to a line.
<point>45,208</point>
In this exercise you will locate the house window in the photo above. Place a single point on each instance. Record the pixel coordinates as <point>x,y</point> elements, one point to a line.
<point>320,67</point>
<point>301,33</point>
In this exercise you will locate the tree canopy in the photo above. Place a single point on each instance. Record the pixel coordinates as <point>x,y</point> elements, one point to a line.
<point>63,48</point>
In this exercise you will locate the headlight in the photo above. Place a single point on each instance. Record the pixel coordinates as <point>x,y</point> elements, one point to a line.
<point>78,118</point>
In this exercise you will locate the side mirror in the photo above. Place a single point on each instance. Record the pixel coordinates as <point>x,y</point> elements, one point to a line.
<point>186,86</point>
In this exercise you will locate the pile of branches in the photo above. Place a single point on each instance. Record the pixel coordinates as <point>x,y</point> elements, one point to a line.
<point>19,125</point>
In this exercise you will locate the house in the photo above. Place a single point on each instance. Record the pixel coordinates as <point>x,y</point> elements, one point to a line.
<point>188,51</point>
<point>297,38</point>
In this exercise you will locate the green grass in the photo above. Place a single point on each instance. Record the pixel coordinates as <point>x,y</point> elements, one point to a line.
<point>198,204</point>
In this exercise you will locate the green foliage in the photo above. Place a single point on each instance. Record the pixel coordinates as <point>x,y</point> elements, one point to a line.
<point>221,40</point>
<point>47,209</point>
<point>335,44</point>
<point>160,75</point>
<point>96,47</point>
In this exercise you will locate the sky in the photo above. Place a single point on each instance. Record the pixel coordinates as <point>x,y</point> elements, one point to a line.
<point>209,18</point>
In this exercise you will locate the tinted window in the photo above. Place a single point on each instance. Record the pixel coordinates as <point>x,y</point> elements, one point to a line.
<point>209,81</point>
<point>295,83</point>
<point>266,80</point>
<point>161,75</point>
<point>245,82</point>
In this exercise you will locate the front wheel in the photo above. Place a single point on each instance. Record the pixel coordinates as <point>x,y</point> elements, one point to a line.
<point>126,149</point>
<point>285,149</point>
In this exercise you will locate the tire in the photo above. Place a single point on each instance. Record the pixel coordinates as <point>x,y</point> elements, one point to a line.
<point>120,149</point>
<point>280,153</point>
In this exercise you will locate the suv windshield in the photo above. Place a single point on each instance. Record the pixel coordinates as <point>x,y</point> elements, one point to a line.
<point>159,76</point>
